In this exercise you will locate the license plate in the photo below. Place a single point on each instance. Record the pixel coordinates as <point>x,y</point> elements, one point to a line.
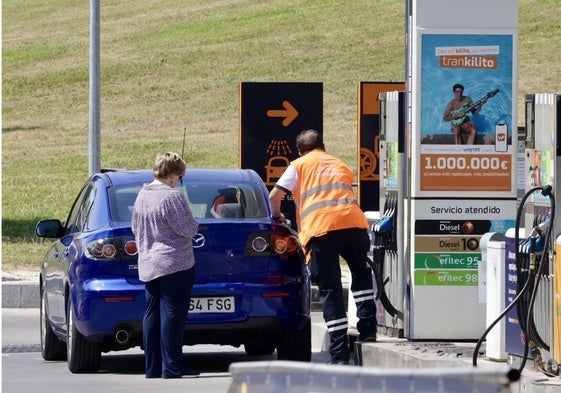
<point>212,304</point>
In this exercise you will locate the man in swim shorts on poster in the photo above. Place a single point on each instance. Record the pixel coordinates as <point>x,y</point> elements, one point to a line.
<point>457,113</point>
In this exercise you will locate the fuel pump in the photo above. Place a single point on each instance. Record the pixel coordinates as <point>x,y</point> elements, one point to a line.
<point>543,165</point>
<point>531,261</point>
<point>533,269</point>
<point>388,233</point>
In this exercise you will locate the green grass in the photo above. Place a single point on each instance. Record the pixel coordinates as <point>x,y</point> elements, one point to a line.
<point>170,65</point>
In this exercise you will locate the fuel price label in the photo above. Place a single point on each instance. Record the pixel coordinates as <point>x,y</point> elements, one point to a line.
<point>459,172</point>
<point>447,261</point>
<point>447,243</point>
<point>446,278</point>
<point>446,268</point>
<point>447,251</point>
<point>452,227</point>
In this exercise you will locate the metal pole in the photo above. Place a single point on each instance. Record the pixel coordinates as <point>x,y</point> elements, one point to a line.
<point>94,123</point>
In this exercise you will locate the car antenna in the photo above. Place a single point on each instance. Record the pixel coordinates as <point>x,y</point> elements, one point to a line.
<point>183,147</point>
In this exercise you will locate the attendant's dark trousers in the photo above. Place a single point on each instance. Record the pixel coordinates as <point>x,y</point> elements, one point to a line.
<point>352,245</point>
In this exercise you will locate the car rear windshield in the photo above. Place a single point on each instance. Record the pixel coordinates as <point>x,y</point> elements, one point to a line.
<point>206,200</point>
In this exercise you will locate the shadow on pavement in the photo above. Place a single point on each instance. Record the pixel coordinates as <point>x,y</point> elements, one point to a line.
<point>211,362</point>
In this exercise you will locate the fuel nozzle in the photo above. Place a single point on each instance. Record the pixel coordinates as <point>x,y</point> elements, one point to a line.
<point>528,246</point>
<point>385,224</point>
<point>540,229</point>
<point>537,236</point>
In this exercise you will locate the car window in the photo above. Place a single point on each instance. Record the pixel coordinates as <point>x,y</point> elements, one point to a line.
<point>79,213</point>
<point>206,200</point>
<point>220,200</point>
<point>122,200</point>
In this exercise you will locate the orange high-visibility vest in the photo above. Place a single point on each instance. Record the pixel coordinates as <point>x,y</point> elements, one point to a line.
<point>325,200</point>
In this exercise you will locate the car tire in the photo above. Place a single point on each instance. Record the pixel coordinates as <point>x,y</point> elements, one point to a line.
<point>82,356</point>
<point>296,344</point>
<point>51,347</point>
<point>259,348</point>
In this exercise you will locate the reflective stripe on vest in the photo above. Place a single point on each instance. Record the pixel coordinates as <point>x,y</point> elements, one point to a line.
<point>322,204</point>
<point>325,187</point>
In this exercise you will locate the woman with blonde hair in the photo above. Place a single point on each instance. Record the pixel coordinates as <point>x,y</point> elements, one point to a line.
<point>163,226</point>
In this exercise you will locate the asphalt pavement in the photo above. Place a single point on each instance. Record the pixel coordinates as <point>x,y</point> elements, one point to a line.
<point>20,333</point>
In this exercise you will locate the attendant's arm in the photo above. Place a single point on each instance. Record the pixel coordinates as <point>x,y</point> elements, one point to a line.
<point>275,198</point>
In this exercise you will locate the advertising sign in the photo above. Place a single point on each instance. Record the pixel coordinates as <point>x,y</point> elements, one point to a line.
<point>447,237</point>
<point>445,260</point>
<point>463,155</point>
<point>468,135</point>
<point>514,337</point>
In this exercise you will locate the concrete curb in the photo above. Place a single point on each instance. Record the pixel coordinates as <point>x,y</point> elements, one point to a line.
<point>403,354</point>
<point>293,377</point>
<point>21,348</point>
<point>20,294</point>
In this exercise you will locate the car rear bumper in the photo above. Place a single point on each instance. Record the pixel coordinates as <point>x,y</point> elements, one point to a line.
<point>103,307</point>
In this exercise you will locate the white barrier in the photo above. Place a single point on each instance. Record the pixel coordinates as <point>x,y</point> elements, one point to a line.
<point>299,377</point>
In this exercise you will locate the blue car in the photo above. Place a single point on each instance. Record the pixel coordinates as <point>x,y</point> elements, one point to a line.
<point>252,286</point>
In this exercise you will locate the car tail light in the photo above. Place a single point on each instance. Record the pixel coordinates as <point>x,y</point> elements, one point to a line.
<point>110,248</point>
<point>272,243</point>
<point>130,248</point>
<point>285,244</point>
<point>259,244</point>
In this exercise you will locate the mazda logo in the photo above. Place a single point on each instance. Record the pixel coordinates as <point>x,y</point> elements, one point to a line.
<point>198,240</point>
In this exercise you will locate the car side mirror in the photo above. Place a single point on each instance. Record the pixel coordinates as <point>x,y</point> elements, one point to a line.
<point>49,228</point>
